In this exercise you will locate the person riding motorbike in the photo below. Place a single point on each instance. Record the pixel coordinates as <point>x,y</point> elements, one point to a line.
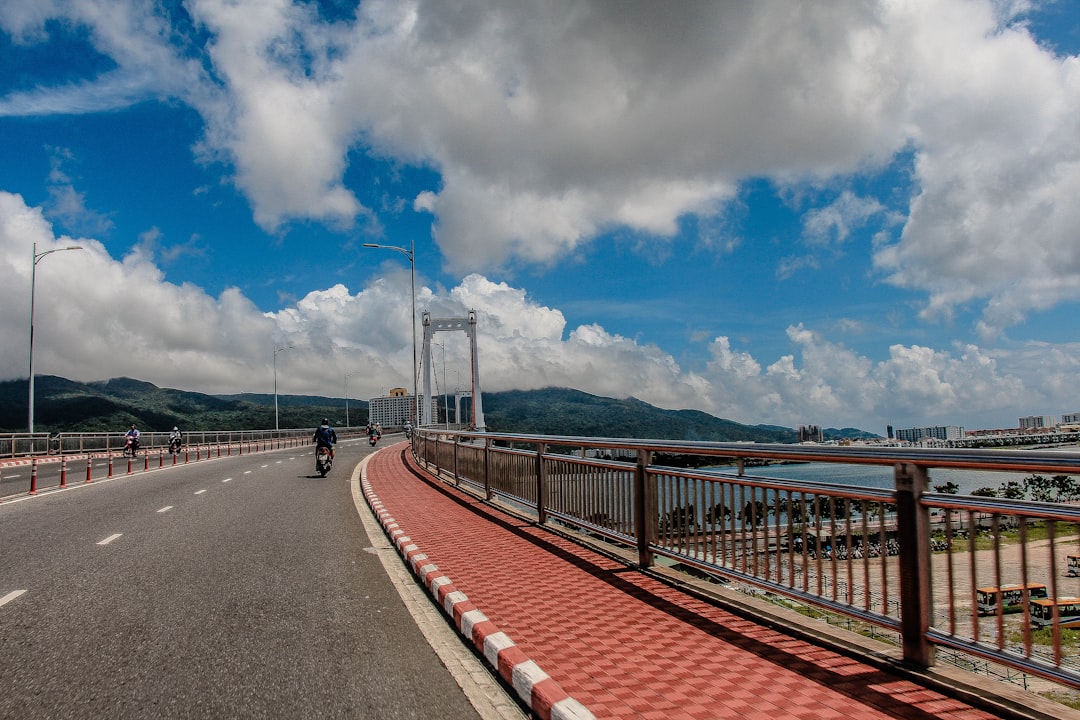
<point>325,437</point>
<point>131,439</point>
<point>176,439</point>
<point>408,429</point>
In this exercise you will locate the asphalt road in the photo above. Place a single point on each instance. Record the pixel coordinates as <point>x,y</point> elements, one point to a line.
<point>235,587</point>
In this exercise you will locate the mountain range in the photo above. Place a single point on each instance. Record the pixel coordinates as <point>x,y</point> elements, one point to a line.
<point>63,405</point>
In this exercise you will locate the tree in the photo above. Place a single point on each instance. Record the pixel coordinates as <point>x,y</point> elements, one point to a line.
<point>985,492</point>
<point>950,487</point>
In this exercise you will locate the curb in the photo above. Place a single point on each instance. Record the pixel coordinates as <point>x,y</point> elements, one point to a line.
<point>542,695</point>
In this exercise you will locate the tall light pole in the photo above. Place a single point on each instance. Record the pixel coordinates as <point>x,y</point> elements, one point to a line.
<point>347,376</point>
<point>38,256</point>
<point>411,254</point>
<point>277,349</point>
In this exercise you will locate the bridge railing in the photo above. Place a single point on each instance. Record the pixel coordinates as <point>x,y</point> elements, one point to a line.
<point>903,559</point>
<point>13,445</point>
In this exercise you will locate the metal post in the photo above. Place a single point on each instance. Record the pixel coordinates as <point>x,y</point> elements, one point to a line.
<point>36,258</point>
<point>541,483</point>
<point>487,468</point>
<point>644,508</point>
<point>913,536</point>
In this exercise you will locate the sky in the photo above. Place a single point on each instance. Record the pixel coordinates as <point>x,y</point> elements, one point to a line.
<point>849,214</point>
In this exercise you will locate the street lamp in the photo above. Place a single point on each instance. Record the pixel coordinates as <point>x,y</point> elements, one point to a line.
<point>38,256</point>
<point>277,349</point>
<point>411,254</point>
<point>347,376</point>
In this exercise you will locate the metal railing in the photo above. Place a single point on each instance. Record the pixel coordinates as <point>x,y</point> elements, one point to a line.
<point>903,559</point>
<point>15,445</point>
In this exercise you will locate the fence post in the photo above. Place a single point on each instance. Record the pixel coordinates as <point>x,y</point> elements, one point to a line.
<point>457,477</point>
<point>541,483</point>
<point>644,508</point>
<point>913,536</point>
<point>487,468</point>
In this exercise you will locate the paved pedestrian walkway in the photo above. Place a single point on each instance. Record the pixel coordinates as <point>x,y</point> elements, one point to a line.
<point>579,634</point>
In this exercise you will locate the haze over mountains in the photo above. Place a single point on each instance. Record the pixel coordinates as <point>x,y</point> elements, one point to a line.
<point>63,405</point>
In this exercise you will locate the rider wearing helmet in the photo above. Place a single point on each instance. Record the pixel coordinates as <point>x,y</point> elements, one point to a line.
<point>325,437</point>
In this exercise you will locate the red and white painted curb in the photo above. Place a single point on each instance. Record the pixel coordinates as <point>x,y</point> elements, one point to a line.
<point>535,687</point>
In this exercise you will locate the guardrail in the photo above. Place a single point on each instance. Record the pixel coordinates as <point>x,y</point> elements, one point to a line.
<point>23,444</point>
<point>913,562</point>
<point>13,445</point>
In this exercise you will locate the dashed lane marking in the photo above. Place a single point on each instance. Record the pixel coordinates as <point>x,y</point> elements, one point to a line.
<point>109,539</point>
<point>167,508</point>
<point>247,472</point>
<point>200,492</point>
<point>226,480</point>
<point>10,596</point>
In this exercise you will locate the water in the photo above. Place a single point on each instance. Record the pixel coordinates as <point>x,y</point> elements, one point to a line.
<point>880,476</point>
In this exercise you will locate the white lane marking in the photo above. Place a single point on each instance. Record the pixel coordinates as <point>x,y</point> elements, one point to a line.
<point>167,508</point>
<point>200,492</point>
<point>278,462</point>
<point>247,472</point>
<point>16,476</point>
<point>109,539</point>
<point>264,466</point>
<point>226,480</point>
<point>10,596</point>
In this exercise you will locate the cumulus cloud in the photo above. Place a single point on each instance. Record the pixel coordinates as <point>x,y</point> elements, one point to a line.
<point>98,317</point>
<point>550,124</point>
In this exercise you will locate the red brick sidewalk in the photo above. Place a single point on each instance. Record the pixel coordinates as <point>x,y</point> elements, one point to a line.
<point>621,643</point>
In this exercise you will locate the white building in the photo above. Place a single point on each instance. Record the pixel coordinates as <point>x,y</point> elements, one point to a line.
<point>1070,419</point>
<point>395,409</point>
<point>1035,422</point>
<point>936,432</point>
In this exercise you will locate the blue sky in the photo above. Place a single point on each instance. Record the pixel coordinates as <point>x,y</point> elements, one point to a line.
<point>853,214</point>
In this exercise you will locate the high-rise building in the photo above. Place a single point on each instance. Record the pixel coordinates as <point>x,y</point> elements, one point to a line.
<point>395,409</point>
<point>1035,422</point>
<point>936,432</point>
<point>1070,419</point>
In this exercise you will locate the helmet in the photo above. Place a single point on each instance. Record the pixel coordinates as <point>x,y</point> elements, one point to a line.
<point>325,421</point>
<point>175,429</point>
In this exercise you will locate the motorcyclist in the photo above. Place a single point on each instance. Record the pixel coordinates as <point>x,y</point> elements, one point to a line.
<point>131,438</point>
<point>176,438</point>
<point>325,437</point>
<point>408,429</point>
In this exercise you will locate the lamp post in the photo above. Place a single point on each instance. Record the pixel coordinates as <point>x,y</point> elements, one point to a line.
<point>38,256</point>
<point>347,376</point>
<point>411,254</point>
<point>277,349</point>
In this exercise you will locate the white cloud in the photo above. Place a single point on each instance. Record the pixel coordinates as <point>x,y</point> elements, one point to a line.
<point>98,317</point>
<point>550,123</point>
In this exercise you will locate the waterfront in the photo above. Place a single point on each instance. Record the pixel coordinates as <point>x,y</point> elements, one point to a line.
<point>880,476</point>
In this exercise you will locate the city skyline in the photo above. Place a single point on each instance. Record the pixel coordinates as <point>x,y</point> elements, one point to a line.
<point>856,215</point>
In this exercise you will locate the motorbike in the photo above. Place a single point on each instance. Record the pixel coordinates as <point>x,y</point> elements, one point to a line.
<point>323,460</point>
<point>131,446</point>
<point>373,438</point>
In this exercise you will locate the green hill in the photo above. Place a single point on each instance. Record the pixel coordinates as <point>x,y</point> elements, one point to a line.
<point>562,411</point>
<point>63,405</point>
<point>111,405</point>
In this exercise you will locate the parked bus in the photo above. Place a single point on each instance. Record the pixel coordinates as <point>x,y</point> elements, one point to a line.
<point>1042,612</point>
<point>1010,596</point>
<point>1073,568</point>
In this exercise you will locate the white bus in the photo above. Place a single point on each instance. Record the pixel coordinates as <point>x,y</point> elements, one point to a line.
<point>1042,612</point>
